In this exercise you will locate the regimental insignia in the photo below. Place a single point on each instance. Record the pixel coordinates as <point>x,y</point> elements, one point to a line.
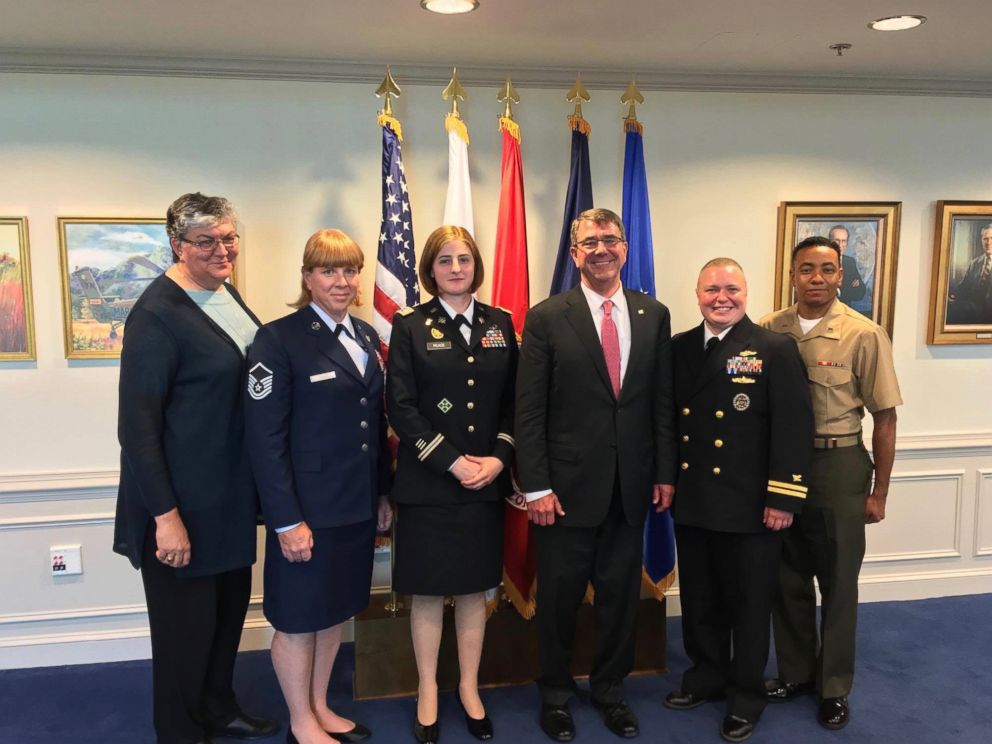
<point>741,402</point>
<point>797,478</point>
<point>315,326</point>
<point>493,339</point>
<point>445,405</point>
<point>368,339</point>
<point>480,320</point>
<point>744,365</point>
<point>436,333</point>
<point>259,381</point>
<point>749,352</point>
<point>828,363</point>
<point>743,380</point>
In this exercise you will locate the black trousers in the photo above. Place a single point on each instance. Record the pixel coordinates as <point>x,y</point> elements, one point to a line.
<point>568,558</point>
<point>727,584</point>
<point>196,628</point>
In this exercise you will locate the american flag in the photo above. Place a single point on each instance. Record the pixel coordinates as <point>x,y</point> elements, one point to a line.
<point>396,269</point>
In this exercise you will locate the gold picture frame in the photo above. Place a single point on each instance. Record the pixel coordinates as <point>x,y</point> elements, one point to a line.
<point>869,258</point>
<point>17,342</point>
<point>960,295</point>
<point>106,263</point>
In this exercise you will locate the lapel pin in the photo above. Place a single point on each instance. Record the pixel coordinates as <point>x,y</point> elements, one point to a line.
<point>315,326</point>
<point>640,311</point>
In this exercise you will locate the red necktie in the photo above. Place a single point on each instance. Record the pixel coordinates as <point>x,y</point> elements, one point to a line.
<point>611,346</point>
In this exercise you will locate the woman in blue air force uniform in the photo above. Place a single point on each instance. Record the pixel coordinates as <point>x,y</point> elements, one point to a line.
<point>451,381</point>
<point>317,439</point>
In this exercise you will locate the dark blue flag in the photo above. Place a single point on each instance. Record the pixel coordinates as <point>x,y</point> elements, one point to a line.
<point>577,200</point>
<point>638,275</point>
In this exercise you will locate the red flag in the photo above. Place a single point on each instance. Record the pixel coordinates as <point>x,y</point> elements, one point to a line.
<point>511,292</point>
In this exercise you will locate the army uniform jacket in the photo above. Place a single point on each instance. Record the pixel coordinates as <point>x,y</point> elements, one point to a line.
<point>745,425</point>
<point>446,397</point>
<point>315,425</point>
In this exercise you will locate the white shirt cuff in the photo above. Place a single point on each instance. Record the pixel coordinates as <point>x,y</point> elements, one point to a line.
<point>535,495</point>
<point>288,528</point>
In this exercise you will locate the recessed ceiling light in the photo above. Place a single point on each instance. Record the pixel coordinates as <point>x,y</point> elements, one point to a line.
<point>449,7</point>
<point>897,23</point>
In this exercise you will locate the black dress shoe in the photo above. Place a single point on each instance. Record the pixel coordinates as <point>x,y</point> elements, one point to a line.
<point>357,733</point>
<point>557,723</point>
<point>679,700</point>
<point>246,727</point>
<point>480,728</point>
<point>426,734</point>
<point>735,728</point>
<point>619,719</point>
<point>780,691</point>
<point>833,713</point>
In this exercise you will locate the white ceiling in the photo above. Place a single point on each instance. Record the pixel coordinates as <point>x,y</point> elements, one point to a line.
<point>666,43</point>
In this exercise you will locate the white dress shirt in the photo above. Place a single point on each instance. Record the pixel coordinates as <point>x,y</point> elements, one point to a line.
<point>708,334</point>
<point>469,315</point>
<point>358,355</point>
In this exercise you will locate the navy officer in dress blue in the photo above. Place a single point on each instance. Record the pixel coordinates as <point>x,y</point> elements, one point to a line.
<point>317,436</point>
<point>450,399</point>
<point>745,419</point>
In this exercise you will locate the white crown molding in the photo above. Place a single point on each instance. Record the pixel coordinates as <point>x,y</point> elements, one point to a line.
<point>342,71</point>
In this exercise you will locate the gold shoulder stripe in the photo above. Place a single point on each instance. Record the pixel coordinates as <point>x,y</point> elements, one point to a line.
<point>404,311</point>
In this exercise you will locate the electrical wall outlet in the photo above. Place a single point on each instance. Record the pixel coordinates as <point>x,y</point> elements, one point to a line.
<point>66,560</point>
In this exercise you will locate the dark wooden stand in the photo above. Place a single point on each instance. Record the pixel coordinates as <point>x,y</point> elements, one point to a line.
<point>385,666</point>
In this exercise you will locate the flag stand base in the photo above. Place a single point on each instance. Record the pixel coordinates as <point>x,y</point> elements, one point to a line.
<point>385,666</point>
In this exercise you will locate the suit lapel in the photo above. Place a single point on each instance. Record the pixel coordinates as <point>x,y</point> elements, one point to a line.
<point>638,341</point>
<point>328,344</point>
<point>364,339</point>
<point>480,322</point>
<point>578,316</point>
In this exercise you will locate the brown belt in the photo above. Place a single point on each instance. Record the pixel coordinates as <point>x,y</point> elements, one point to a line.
<point>834,442</point>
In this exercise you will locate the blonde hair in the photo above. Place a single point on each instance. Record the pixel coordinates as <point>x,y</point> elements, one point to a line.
<point>435,242</point>
<point>327,249</point>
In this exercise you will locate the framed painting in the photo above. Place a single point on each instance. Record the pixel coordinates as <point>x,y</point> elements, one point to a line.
<point>868,236</point>
<point>106,264</point>
<point>961,279</point>
<point>16,310</point>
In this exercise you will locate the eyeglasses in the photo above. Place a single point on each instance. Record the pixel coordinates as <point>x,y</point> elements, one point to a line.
<point>210,245</point>
<point>590,244</point>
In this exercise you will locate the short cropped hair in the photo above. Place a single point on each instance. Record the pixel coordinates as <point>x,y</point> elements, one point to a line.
<point>816,241</point>
<point>435,242</point>
<point>196,210</point>
<point>598,216</point>
<point>723,261</point>
<point>327,249</point>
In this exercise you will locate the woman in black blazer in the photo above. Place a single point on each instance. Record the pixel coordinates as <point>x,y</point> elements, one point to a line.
<point>317,438</point>
<point>449,397</point>
<point>186,505</point>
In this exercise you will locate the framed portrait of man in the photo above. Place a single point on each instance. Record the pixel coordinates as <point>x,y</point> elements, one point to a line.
<point>961,280</point>
<point>868,237</point>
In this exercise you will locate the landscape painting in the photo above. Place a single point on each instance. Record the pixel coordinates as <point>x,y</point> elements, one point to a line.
<point>16,314</point>
<point>106,265</point>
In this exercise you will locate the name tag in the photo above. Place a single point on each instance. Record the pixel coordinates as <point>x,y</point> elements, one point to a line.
<point>323,376</point>
<point>438,345</point>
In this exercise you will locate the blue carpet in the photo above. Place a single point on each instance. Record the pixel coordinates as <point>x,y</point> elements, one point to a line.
<point>924,677</point>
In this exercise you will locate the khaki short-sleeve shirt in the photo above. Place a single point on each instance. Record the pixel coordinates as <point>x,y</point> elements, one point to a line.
<point>849,363</point>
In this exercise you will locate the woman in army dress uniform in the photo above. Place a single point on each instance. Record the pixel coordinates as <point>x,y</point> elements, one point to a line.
<point>449,398</point>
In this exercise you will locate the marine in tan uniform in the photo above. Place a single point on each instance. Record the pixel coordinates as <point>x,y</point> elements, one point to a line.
<point>850,369</point>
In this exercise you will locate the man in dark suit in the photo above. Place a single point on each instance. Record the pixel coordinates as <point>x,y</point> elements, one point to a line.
<point>744,420</point>
<point>971,300</point>
<point>853,287</point>
<point>595,446</point>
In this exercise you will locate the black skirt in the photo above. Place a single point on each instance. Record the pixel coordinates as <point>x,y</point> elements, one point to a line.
<point>444,550</point>
<point>331,587</point>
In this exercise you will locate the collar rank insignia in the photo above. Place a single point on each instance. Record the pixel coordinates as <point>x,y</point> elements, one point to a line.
<point>435,333</point>
<point>493,339</point>
<point>744,365</point>
<point>259,381</point>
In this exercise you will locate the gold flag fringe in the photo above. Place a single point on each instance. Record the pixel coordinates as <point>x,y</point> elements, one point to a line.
<point>507,124</point>
<point>657,590</point>
<point>393,123</point>
<point>633,125</point>
<point>578,124</point>
<point>454,124</point>
<point>527,607</point>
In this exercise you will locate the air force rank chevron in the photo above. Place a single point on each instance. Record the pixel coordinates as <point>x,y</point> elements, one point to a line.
<point>259,381</point>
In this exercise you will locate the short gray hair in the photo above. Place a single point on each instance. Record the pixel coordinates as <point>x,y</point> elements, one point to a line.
<point>197,210</point>
<point>599,216</point>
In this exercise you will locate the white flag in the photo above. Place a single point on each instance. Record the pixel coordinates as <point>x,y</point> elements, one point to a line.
<point>458,204</point>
